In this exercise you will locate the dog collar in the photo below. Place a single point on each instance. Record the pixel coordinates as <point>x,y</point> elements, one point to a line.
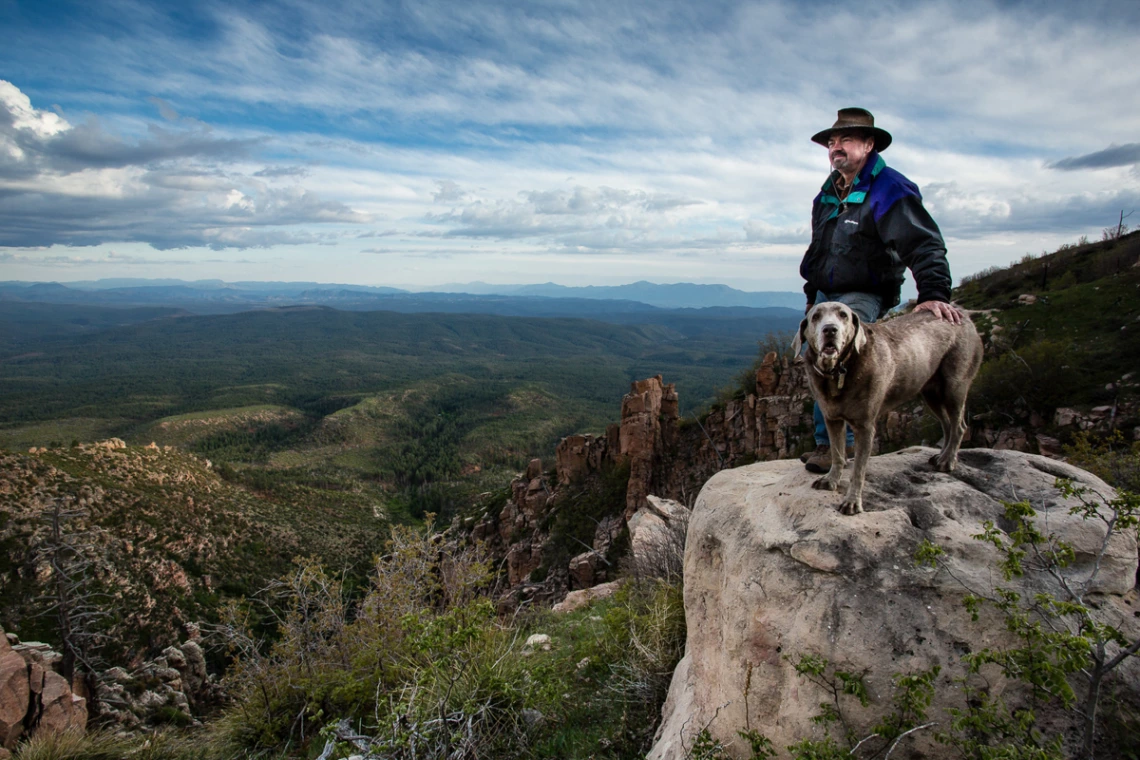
<point>839,374</point>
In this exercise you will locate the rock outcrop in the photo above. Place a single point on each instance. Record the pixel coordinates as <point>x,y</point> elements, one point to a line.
<point>773,572</point>
<point>33,697</point>
<point>665,455</point>
<point>648,433</point>
<point>172,688</point>
<point>15,694</point>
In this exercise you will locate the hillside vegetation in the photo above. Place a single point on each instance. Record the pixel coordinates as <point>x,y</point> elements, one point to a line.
<point>167,539</point>
<point>1075,344</point>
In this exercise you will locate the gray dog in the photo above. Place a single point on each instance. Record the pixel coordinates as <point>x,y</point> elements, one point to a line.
<point>861,371</point>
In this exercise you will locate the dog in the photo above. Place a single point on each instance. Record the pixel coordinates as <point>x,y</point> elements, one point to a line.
<point>859,372</point>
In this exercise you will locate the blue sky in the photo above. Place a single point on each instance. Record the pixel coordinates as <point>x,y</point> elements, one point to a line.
<point>416,144</point>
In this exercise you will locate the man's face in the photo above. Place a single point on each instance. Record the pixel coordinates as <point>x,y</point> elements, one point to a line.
<point>848,151</point>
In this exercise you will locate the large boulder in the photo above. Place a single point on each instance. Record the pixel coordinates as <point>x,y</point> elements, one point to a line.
<point>14,693</point>
<point>33,697</point>
<point>657,537</point>
<point>773,572</point>
<point>61,710</point>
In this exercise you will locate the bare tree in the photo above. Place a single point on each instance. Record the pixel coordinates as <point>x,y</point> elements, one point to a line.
<point>1117,232</point>
<point>70,593</point>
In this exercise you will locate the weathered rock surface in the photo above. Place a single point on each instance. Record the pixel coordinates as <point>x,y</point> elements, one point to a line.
<point>33,697</point>
<point>15,694</point>
<point>176,680</point>
<point>657,538</point>
<point>773,571</point>
<point>576,600</point>
<point>648,423</point>
<point>61,710</point>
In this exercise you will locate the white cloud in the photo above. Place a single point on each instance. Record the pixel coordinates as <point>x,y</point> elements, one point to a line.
<point>83,185</point>
<point>22,117</point>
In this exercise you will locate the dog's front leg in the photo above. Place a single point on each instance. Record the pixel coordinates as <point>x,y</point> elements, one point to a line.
<point>837,438</point>
<point>852,503</point>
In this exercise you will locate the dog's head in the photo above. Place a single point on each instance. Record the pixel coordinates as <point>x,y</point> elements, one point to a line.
<point>829,330</point>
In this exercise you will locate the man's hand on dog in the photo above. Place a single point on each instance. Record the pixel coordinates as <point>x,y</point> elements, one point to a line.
<point>944,311</point>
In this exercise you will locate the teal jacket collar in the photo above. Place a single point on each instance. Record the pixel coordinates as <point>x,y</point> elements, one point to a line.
<point>829,194</point>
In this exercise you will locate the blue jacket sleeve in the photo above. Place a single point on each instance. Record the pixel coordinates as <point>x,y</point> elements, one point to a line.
<point>908,229</point>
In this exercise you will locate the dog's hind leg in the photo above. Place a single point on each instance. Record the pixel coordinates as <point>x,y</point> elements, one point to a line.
<point>852,503</point>
<point>953,404</point>
<point>933,394</point>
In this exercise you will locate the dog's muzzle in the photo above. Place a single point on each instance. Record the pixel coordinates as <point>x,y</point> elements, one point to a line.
<point>828,347</point>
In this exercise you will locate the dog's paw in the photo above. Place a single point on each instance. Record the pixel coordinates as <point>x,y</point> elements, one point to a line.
<point>940,465</point>
<point>825,484</point>
<point>851,506</point>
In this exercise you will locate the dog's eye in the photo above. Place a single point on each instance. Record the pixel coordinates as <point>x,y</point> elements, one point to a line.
<point>843,315</point>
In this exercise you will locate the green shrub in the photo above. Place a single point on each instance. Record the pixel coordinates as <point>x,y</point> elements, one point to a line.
<point>1067,280</point>
<point>172,716</point>
<point>602,686</point>
<point>575,516</point>
<point>421,658</point>
<point>423,666</point>
<point>1112,458</point>
<point>1036,378</point>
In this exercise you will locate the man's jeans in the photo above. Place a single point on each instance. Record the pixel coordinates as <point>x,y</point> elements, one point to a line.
<point>867,306</point>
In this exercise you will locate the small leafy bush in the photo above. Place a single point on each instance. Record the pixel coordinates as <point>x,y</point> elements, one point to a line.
<point>1036,378</point>
<point>423,666</point>
<point>1112,458</point>
<point>418,649</point>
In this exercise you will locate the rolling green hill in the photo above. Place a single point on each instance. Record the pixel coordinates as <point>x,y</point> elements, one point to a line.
<point>171,366</point>
<point>425,409</point>
<point>1072,343</point>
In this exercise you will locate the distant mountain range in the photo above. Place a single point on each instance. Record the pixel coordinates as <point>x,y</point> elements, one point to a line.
<point>215,296</point>
<point>681,295</point>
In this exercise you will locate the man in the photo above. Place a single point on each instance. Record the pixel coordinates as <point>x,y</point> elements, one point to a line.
<point>868,226</point>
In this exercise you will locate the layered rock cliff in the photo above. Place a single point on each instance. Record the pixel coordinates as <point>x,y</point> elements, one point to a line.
<point>650,451</point>
<point>659,453</point>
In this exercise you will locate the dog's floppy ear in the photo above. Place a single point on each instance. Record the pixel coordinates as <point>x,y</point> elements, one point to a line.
<point>860,334</point>
<point>800,339</point>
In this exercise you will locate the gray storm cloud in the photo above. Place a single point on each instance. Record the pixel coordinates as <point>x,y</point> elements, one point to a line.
<point>84,185</point>
<point>1112,156</point>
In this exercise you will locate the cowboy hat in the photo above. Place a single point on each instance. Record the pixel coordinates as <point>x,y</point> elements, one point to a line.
<point>855,118</point>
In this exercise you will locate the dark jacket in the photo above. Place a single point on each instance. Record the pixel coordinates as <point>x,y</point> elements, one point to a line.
<point>866,242</point>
